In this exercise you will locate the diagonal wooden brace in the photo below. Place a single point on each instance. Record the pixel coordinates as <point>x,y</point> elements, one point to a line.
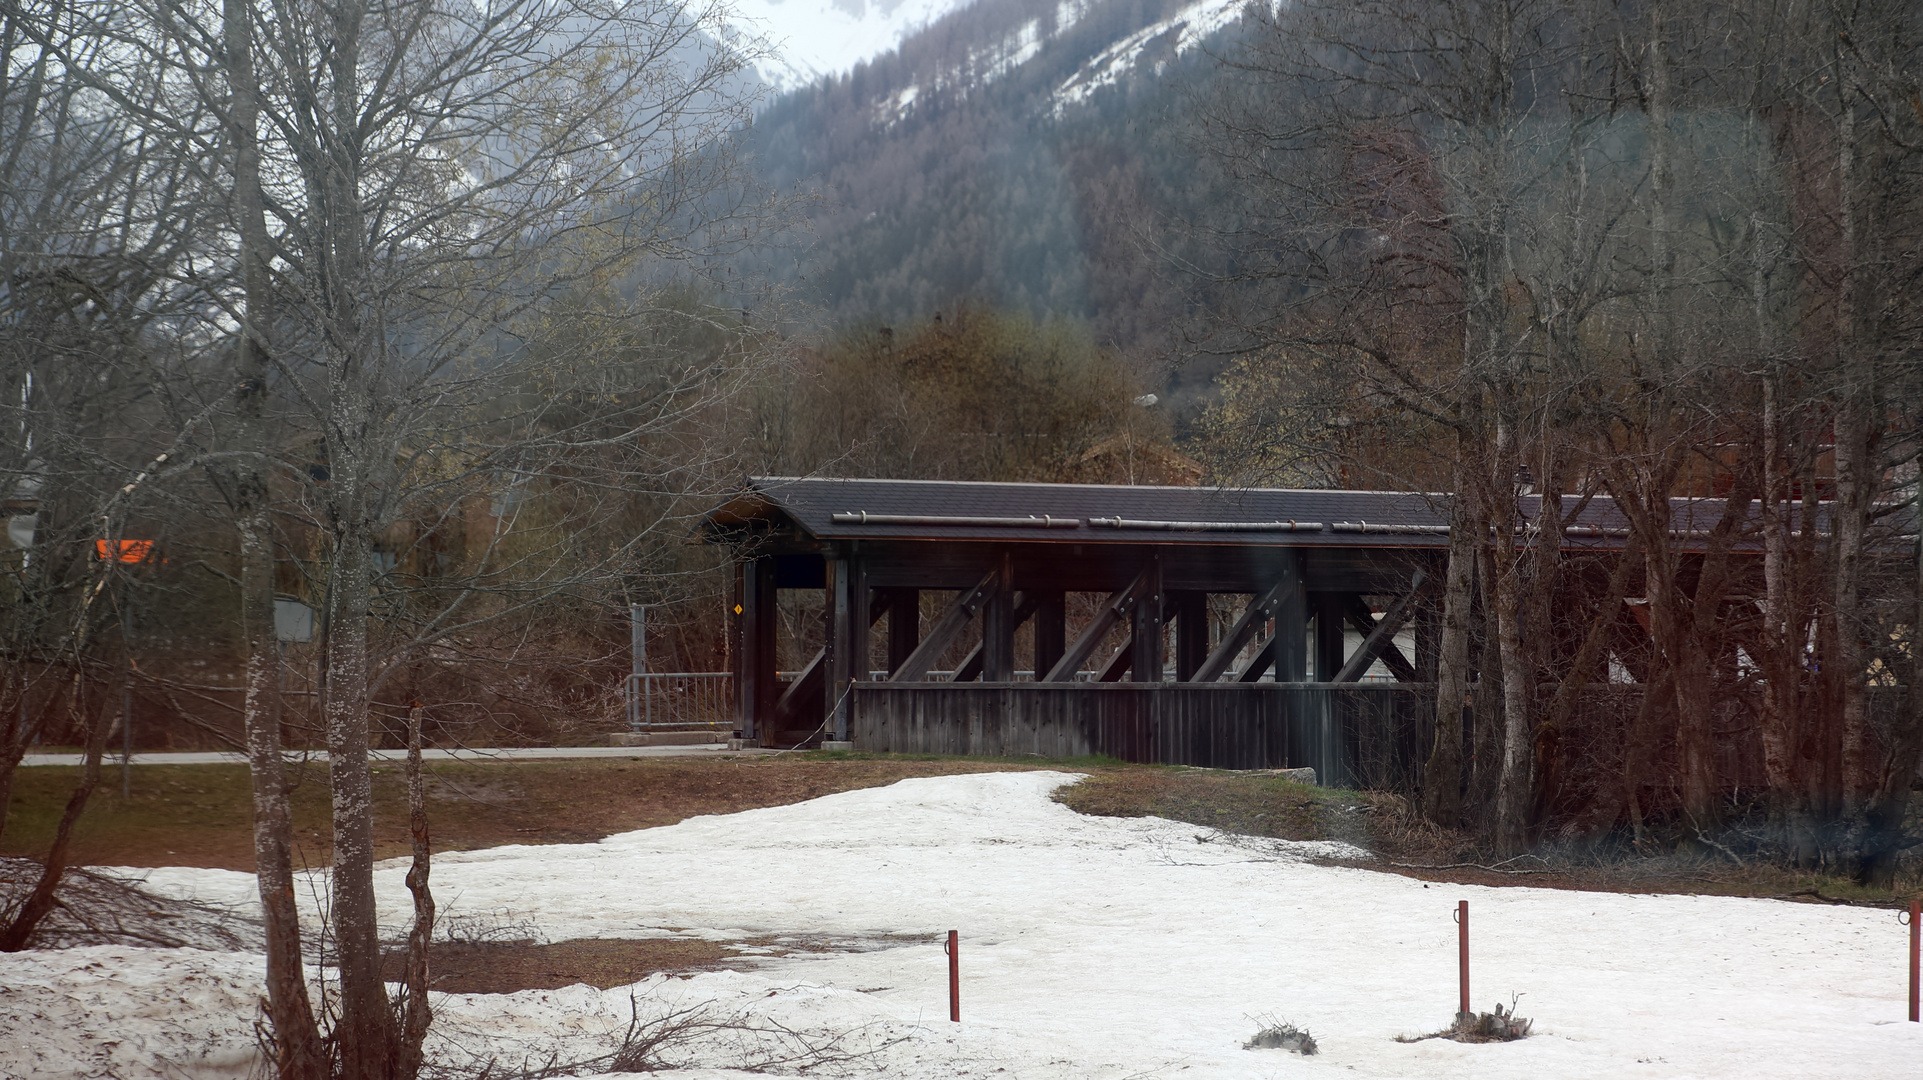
<point>1259,663</point>
<point>809,681</point>
<point>1382,636</point>
<point>971,668</point>
<point>945,630</point>
<point>1117,609</point>
<point>1262,607</point>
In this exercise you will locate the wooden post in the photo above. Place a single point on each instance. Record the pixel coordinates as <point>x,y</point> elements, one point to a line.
<point>1916,960</point>
<point>1462,959</point>
<point>1191,633</point>
<point>738,636</point>
<point>756,693</point>
<point>1328,633</point>
<point>861,616</point>
<point>1292,623</point>
<point>954,976</point>
<point>837,663</point>
<point>1051,630</point>
<point>1150,650</point>
<point>998,626</point>
<point>904,626</point>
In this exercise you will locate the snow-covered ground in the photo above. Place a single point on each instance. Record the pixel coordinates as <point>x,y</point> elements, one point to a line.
<point>1091,947</point>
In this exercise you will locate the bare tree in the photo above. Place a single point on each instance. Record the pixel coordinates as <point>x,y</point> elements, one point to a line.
<point>1612,252</point>
<point>411,184</point>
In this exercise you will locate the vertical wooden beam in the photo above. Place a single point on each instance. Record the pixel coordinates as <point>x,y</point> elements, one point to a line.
<point>837,641</point>
<point>998,625</point>
<point>861,616</point>
<point>758,691</point>
<point>1051,629</point>
<point>740,639</point>
<point>904,626</point>
<point>971,668</point>
<point>1191,632</point>
<point>1329,625</point>
<point>1150,648</point>
<point>1292,622</point>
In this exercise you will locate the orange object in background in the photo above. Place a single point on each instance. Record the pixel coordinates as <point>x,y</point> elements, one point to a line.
<point>127,551</point>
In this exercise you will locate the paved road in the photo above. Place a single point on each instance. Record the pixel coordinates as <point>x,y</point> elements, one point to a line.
<point>532,753</point>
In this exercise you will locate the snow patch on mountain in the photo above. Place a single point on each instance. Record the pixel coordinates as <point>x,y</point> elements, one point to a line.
<point>1155,44</point>
<point>985,65</point>
<point>1150,47</point>
<point>813,38</point>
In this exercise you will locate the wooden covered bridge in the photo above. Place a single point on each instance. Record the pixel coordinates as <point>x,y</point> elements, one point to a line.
<point>1233,628</point>
<point>1218,627</point>
<point>1228,628</point>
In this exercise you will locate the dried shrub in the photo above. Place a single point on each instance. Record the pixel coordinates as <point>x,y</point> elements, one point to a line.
<point>93,907</point>
<point>1281,1035</point>
<point>1502,1025</point>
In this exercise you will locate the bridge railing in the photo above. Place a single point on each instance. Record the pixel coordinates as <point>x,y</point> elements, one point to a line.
<point>681,700</point>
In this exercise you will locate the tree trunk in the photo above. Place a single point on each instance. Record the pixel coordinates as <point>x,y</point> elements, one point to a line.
<point>296,1038</point>
<point>1486,712</point>
<point>1539,644</point>
<point>1442,777</point>
<point>1783,638</point>
<point>365,1037</point>
<point>363,1034</point>
<point>1639,742</point>
<point>1856,479</point>
<point>1697,637</point>
<point>1587,664</point>
<point>413,1008</point>
<point>1513,789</point>
<point>1883,827</point>
<point>15,936</point>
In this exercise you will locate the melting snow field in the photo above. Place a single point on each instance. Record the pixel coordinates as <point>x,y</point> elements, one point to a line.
<point>1091,947</point>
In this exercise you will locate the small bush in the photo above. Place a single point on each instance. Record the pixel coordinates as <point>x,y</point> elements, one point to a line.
<point>1503,1025</point>
<point>1281,1035</point>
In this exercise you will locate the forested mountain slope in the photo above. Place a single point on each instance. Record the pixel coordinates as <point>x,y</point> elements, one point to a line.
<point>1018,155</point>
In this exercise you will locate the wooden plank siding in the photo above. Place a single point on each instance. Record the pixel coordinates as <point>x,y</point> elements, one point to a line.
<point>1353,735</point>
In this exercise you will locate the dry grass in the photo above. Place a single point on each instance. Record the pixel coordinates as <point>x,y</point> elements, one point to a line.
<point>1249,803</point>
<point>505,967</point>
<point>201,815</point>
<point>1258,804</point>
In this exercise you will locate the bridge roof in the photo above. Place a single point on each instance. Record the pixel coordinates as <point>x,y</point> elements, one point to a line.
<point>825,508</point>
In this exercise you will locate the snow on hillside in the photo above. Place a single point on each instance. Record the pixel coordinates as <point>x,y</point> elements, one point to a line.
<point>1091,947</point>
<point>1154,44</point>
<point>813,38</point>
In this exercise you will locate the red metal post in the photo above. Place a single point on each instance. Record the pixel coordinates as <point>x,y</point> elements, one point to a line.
<point>1462,935</point>
<point>954,977</point>
<point>1916,940</point>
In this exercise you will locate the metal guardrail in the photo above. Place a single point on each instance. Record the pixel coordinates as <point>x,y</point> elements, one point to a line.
<point>680,700</point>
